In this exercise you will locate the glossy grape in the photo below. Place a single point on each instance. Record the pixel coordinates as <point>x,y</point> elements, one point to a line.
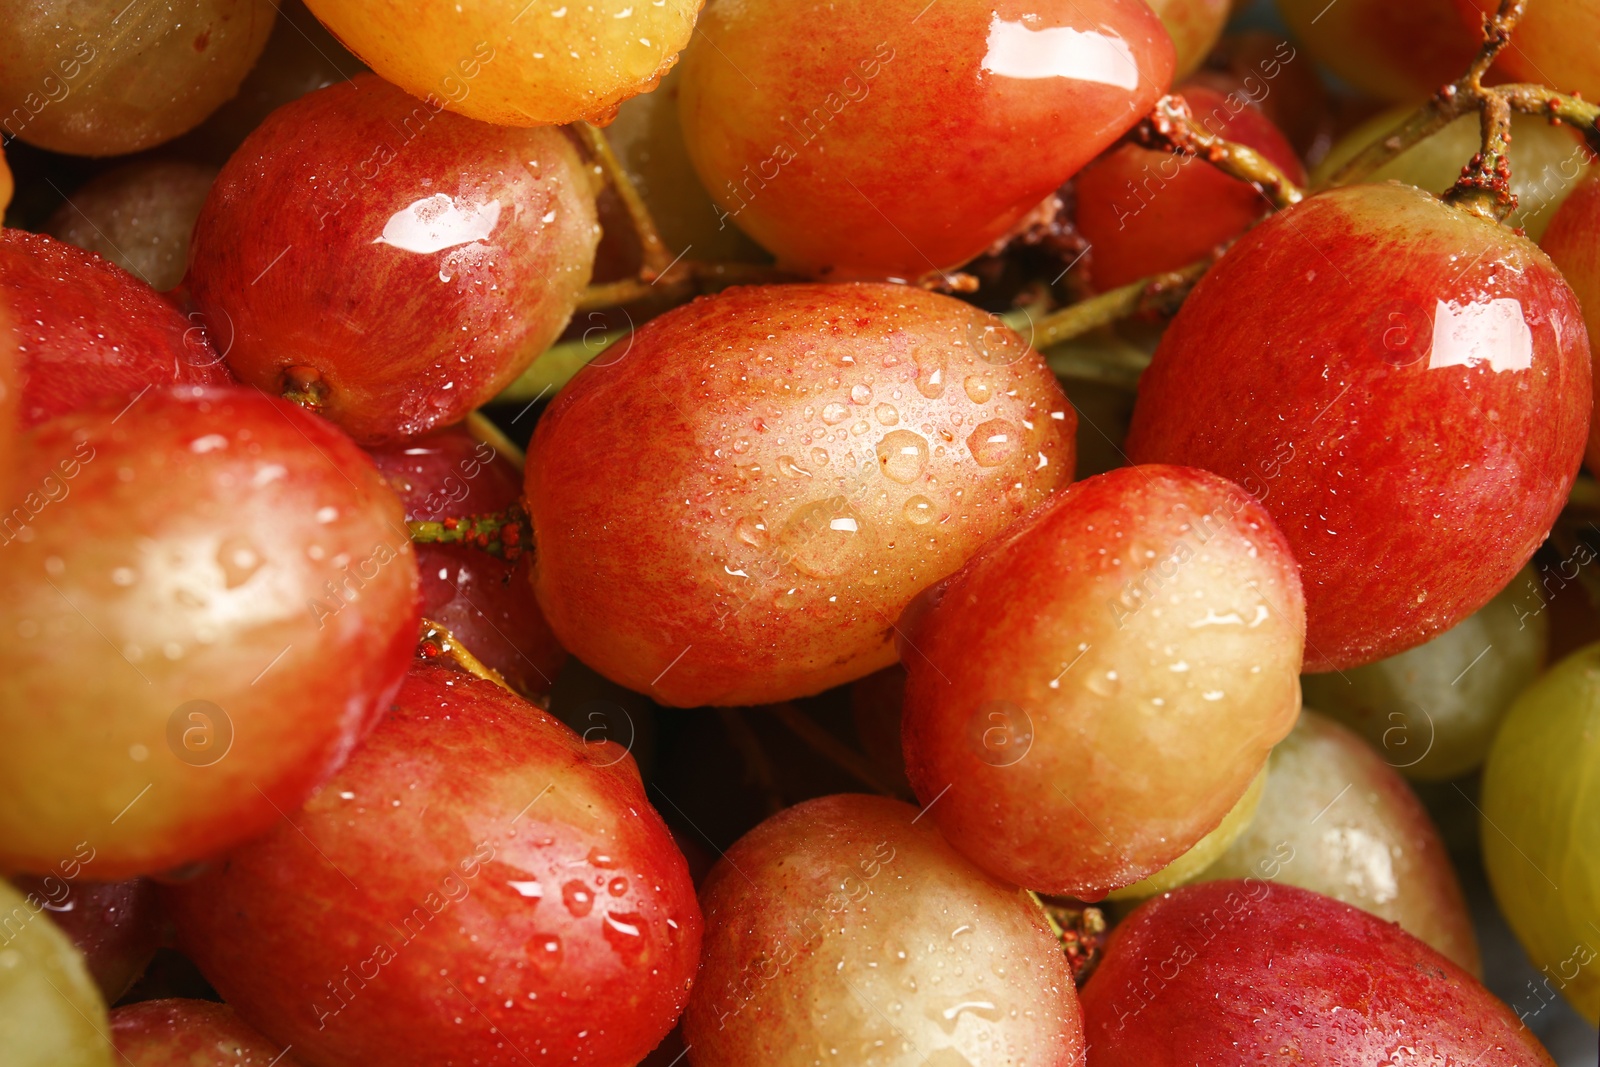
<point>474,860</point>
<point>1548,161</point>
<point>1301,365</point>
<point>191,1033</point>
<point>1247,973</point>
<point>1396,51</point>
<point>1144,626</point>
<point>51,1015</point>
<point>843,927</point>
<point>392,266</point>
<point>212,592</point>
<point>1338,821</point>
<point>1432,711</point>
<point>1145,211</point>
<point>484,601</point>
<point>1541,827</point>
<point>138,216</point>
<point>735,506</point>
<point>88,331</point>
<point>105,77</point>
<point>1570,242</point>
<point>891,138</point>
<point>115,925</point>
<point>1552,45</point>
<point>515,63</point>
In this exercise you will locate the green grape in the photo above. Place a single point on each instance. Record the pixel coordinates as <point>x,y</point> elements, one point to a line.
<point>51,1014</point>
<point>1432,710</point>
<point>1187,867</point>
<point>1541,827</point>
<point>1547,161</point>
<point>139,216</point>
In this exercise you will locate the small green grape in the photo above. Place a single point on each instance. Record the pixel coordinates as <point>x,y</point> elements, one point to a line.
<point>51,1014</point>
<point>1541,826</point>
<point>1432,710</point>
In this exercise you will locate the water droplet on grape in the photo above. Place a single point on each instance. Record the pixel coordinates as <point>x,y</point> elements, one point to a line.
<point>918,510</point>
<point>887,415</point>
<point>994,442</point>
<point>578,899</point>
<point>825,538</point>
<point>625,931</point>
<point>930,370</point>
<point>860,394</point>
<point>791,469</point>
<point>978,388</point>
<point>834,413</point>
<point>903,456</point>
<point>749,530</point>
<point>239,559</point>
<point>617,886</point>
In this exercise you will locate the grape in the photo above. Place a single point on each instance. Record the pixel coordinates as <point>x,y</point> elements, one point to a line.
<point>891,139</point>
<point>1432,711</point>
<point>1541,821</point>
<point>1245,973</point>
<point>51,1015</point>
<point>475,860</point>
<point>734,507</point>
<point>88,331</point>
<point>840,930</point>
<point>1143,627</point>
<point>138,216</point>
<point>516,63</point>
<point>1145,211</point>
<point>485,602</point>
<point>116,925</point>
<point>875,707</point>
<point>1194,26</point>
<point>211,592</point>
<point>99,78</point>
<point>1300,366</point>
<point>1278,78</point>
<point>1396,51</point>
<point>1336,820</point>
<point>1553,43</point>
<point>178,1033</point>
<point>1570,242</point>
<point>459,251</point>
<point>1203,853</point>
<point>1547,161</point>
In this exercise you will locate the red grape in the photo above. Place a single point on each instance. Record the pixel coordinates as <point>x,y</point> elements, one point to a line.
<point>734,507</point>
<point>87,330</point>
<point>1145,211</point>
<point>210,594</point>
<point>1405,387</point>
<point>1570,241</point>
<point>896,138</point>
<point>1397,51</point>
<point>1143,627</point>
<point>476,885</point>
<point>841,931</point>
<point>116,925</point>
<point>1236,973</point>
<point>191,1033</point>
<point>392,265</point>
<point>485,602</point>
<point>1278,78</point>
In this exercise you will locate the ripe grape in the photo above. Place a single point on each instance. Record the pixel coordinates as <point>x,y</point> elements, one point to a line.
<point>1401,51</point>
<point>51,1015</point>
<point>1145,210</point>
<point>905,138</point>
<point>516,63</point>
<point>842,929</point>
<point>1541,826</point>
<point>1553,43</point>
<point>212,592</point>
<point>1570,243</point>
<point>138,216</point>
<point>1405,386</point>
<point>1548,160</point>
<point>1433,710</point>
<point>102,79</point>
<point>87,330</point>
<point>485,602</point>
<point>1143,626</point>
<point>1203,853</point>
<point>1274,75</point>
<point>459,251</point>
<point>1194,26</point>
<point>735,506</point>
<point>116,925</point>
<point>476,885</point>
<point>1245,973</point>
<point>1338,821</point>
<point>178,1033</point>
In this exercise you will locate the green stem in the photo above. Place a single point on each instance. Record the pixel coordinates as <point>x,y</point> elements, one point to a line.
<point>506,534</point>
<point>1158,293</point>
<point>555,367</point>
<point>1170,126</point>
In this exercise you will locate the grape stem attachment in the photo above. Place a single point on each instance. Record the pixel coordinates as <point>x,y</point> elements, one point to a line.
<point>1162,292</point>
<point>506,534</point>
<point>437,642</point>
<point>1170,127</point>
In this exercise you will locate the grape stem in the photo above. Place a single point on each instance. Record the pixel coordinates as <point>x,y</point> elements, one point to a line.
<point>832,749</point>
<point>1170,126</point>
<point>1162,292</point>
<point>505,534</point>
<point>653,250</point>
<point>757,766</point>
<point>436,641</point>
<point>680,282</point>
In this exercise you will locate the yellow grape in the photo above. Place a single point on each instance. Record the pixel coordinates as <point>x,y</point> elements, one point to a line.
<point>1541,826</point>
<point>51,1014</point>
<point>513,62</point>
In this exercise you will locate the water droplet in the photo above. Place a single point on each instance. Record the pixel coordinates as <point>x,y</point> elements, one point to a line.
<point>860,394</point>
<point>598,858</point>
<point>819,457</point>
<point>825,538</point>
<point>919,510</point>
<point>834,413</point>
<point>617,886</point>
<point>930,370</point>
<point>994,442</point>
<point>974,1004</point>
<point>1104,683</point>
<point>625,931</point>
<point>238,558</point>
<point>903,456</point>
<point>887,415</point>
<point>791,469</point>
<point>578,899</point>
<point>978,388</point>
<point>750,530</point>
<point>546,949</point>
<point>741,445</point>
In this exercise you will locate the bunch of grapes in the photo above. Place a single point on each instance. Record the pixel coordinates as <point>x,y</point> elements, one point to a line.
<point>611,533</point>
